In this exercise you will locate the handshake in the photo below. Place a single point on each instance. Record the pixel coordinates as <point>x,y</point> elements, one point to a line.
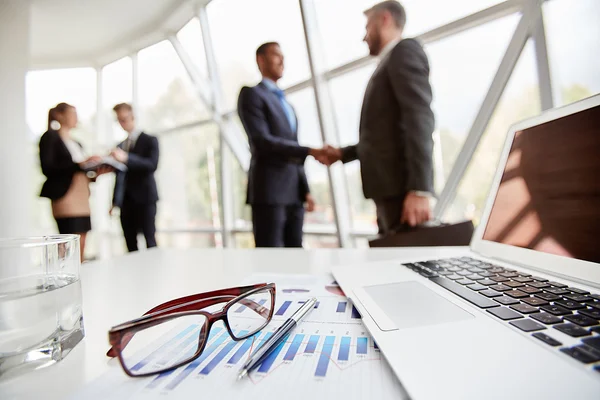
<point>326,155</point>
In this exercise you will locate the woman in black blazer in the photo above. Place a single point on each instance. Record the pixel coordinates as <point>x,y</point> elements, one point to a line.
<point>67,185</point>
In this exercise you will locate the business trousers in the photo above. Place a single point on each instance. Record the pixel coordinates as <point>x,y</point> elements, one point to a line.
<point>138,218</point>
<point>389,214</point>
<point>277,225</point>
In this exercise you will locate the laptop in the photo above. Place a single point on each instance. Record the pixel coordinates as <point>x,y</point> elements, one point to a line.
<point>515,316</point>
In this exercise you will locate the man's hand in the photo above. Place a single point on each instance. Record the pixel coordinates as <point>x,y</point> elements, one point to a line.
<point>416,209</point>
<point>92,159</point>
<point>319,154</point>
<point>310,203</point>
<point>120,155</point>
<point>334,154</point>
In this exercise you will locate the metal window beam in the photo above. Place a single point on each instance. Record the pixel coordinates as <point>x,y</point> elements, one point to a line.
<point>200,83</point>
<point>327,123</point>
<point>543,65</point>
<point>226,134</point>
<point>135,87</point>
<point>507,65</point>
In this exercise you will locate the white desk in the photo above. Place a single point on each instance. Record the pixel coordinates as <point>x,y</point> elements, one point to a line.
<point>125,287</point>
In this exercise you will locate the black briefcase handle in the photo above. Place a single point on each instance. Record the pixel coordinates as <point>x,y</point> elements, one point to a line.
<point>458,234</point>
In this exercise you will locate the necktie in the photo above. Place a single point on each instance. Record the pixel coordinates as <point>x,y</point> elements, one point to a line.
<point>128,145</point>
<point>287,109</point>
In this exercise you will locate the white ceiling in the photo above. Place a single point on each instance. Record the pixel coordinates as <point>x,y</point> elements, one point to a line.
<point>69,33</point>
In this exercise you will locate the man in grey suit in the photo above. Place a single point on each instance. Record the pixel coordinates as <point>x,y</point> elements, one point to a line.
<point>396,124</point>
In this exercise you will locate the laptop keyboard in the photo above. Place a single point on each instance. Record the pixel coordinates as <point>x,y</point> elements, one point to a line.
<point>528,303</point>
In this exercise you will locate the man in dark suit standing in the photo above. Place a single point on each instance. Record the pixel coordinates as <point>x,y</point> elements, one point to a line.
<point>396,124</point>
<point>135,190</point>
<point>277,184</point>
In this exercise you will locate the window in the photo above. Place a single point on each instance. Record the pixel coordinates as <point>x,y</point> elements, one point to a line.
<point>117,87</point>
<point>257,21</point>
<point>167,96</point>
<point>462,69</point>
<point>190,37</point>
<point>573,38</point>
<point>519,101</point>
<point>318,181</point>
<point>343,36</point>
<point>188,179</point>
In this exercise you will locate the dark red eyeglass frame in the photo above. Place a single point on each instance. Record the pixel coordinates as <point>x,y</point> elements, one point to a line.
<point>120,335</point>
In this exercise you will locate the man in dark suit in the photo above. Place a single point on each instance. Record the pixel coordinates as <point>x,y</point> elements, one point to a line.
<point>135,190</point>
<point>396,124</point>
<point>277,185</point>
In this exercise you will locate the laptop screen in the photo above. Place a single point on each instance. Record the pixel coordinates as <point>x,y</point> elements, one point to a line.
<point>549,195</point>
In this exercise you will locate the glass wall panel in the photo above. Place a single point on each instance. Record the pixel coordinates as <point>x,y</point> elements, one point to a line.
<point>343,37</point>
<point>167,96</point>
<point>255,22</point>
<point>573,38</point>
<point>519,101</point>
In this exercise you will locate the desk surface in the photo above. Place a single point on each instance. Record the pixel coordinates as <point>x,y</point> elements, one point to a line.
<point>120,289</point>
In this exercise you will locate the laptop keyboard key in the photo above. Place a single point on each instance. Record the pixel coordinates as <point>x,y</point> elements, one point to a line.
<point>583,354</point>
<point>530,290</point>
<point>548,296</point>
<point>477,269</point>
<point>591,312</point>
<point>577,297</point>
<point>509,274</point>
<point>572,330</point>
<point>486,281</point>
<point>454,277</point>
<point>539,285</point>
<point>581,320</point>
<point>467,294</point>
<point>504,313</point>
<point>556,284</point>
<point>538,279</point>
<point>498,278</point>
<point>463,273</point>
<point>527,325</point>
<point>595,329</point>
<point>547,339</point>
<point>474,277</point>
<point>555,310</point>
<point>593,303</point>
<point>523,279</point>
<point>534,301</point>
<point>517,294</point>
<point>496,270</point>
<point>506,300</point>
<point>578,291</point>
<point>477,287</point>
<point>514,284</point>
<point>524,308</point>
<point>490,293</point>
<point>465,281</point>
<point>569,304</point>
<point>593,342</point>
<point>595,296</point>
<point>546,318</point>
<point>486,274</point>
<point>555,290</point>
<point>500,288</point>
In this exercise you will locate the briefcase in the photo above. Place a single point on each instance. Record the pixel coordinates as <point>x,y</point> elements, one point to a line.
<point>458,234</point>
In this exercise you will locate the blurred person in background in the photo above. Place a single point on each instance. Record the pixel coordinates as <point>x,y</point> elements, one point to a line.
<point>136,193</point>
<point>67,185</point>
<point>277,184</point>
<point>396,124</point>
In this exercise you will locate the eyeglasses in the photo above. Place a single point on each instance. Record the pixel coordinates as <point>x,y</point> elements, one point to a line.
<point>176,332</point>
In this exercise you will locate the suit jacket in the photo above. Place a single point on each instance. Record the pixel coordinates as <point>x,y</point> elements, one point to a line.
<point>276,174</point>
<point>57,165</point>
<point>396,125</point>
<point>137,184</point>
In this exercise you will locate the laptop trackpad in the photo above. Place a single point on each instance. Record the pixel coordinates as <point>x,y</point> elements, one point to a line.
<point>409,304</point>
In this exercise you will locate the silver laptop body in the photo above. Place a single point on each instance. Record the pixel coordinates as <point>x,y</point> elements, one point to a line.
<point>515,316</point>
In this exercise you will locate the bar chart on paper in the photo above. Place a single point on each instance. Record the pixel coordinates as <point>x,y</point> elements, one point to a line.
<point>328,355</point>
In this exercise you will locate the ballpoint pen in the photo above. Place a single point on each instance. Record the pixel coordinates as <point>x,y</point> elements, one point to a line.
<point>280,334</point>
